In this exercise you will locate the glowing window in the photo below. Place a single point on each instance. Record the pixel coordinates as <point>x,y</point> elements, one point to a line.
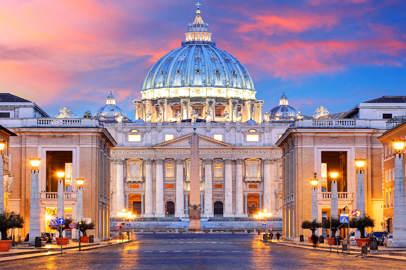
<point>169,137</point>
<point>218,137</point>
<point>134,137</point>
<point>252,138</point>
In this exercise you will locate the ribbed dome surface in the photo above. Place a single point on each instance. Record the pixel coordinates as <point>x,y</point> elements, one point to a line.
<point>198,65</point>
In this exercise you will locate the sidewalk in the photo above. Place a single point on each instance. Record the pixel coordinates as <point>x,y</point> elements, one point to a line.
<point>21,252</point>
<point>381,253</point>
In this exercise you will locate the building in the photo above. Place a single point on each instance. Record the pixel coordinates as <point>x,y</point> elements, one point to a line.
<point>333,143</point>
<point>79,147</point>
<point>393,193</point>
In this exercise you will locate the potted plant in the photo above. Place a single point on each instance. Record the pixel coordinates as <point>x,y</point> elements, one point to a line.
<point>83,226</point>
<point>331,224</point>
<point>361,223</point>
<point>8,221</point>
<point>312,226</point>
<point>60,240</point>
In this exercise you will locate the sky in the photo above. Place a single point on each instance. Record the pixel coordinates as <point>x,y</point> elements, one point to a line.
<point>335,53</point>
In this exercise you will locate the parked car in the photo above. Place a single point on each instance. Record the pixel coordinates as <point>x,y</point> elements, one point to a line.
<point>380,237</point>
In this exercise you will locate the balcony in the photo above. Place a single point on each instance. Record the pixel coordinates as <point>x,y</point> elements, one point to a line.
<point>343,197</point>
<point>51,198</point>
<point>253,179</point>
<point>139,179</point>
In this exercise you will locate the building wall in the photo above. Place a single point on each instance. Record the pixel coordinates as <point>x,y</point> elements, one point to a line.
<point>91,152</point>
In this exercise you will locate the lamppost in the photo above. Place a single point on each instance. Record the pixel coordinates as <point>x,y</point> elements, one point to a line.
<point>2,147</point>
<point>60,205</point>
<point>79,205</point>
<point>334,195</point>
<point>360,197</point>
<point>399,207</point>
<point>125,215</point>
<point>314,183</point>
<point>35,208</point>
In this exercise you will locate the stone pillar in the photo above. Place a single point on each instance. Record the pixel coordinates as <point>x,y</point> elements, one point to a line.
<point>195,206</point>
<point>159,188</point>
<point>268,186</point>
<point>334,200</point>
<point>208,188</point>
<point>180,207</point>
<point>148,188</point>
<point>184,103</point>
<point>399,208</point>
<point>315,206</point>
<point>61,197</point>
<point>35,207</point>
<point>120,205</point>
<point>360,197</point>
<point>228,189</point>
<point>79,204</point>
<point>239,190</point>
<point>2,208</point>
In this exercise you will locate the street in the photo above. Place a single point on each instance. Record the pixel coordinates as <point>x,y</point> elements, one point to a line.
<point>201,251</point>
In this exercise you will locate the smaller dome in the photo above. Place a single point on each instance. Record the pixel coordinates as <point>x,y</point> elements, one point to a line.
<point>111,112</point>
<point>284,112</point>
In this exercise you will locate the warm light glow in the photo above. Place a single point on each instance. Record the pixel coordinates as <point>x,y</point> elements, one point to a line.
<point>126,214</point>
<point>35,162</point>
<point>360,163</point>
<point>399,146</point>
<point>80,182</point>
<point>60,174</point>
<point>2,146</point>
<point>334,175</point>
<point>263,215</point>
<point>314,182</point>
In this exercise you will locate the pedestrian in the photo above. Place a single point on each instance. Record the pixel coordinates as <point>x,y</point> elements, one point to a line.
<point>271,236</point>
<point>278,236</point>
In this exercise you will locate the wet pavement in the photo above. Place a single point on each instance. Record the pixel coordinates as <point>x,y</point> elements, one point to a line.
<point>201,251</point>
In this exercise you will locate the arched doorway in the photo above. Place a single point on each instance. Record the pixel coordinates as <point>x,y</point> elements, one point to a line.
<point>252,203</point>
<point>218,208</point>
<point>170,209</point>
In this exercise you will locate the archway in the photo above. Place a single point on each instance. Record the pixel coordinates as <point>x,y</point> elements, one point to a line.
<point>170,209</point>
<point>218,208</point>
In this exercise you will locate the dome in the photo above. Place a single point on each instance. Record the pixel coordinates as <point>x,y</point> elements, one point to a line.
<point>111,112</point>
<point>198,69</point>
<point>284,112</point>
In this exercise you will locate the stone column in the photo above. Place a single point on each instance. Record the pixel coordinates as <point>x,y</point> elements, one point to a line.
<point>399,207</point>
<point>267,185</point>
<point>208,188</point>
<point>79,204</point>
<point>360,197</point>
<point>180,206</point>
<point>228,189</point>
<point>315,206</point>
<point>35,207</point>
<point>120,205</point>
<point>239,190</point>
<point>61,197</point>
<point>334,200</point>
<point>159,188</point>
<point>2,210</point>
<point>148,188</point>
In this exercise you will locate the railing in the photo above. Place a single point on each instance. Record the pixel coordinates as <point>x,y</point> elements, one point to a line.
<point>341,123</point>
<point>253,179</point>
<point>135,179</point>
<point>341,195</point>
<point>54,195</point>
<point>74,122</point>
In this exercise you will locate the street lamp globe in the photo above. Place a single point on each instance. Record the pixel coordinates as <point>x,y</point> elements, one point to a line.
<point>399,146</point>
<point>80,182</point>
<point>360,163</point>
<point>2,146</point>
<point>34,163</point>
<point>334,175</point>
<point>60,174</point>
<point>314,182</point>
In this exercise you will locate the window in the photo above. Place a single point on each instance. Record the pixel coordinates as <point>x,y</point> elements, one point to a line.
<point>252,138</point>
<point>134,137</point>
<point>218,137</point>
<point>387,116</point>
<point>169,137</point>
<point>4,115</point>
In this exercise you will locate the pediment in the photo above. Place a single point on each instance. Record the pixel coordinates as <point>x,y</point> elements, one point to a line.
<point>184,142</point>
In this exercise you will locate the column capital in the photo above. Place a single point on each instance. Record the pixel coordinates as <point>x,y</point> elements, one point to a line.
<point>239,161</point>
<point>147,160</point>
<point>208,161</point>
<point>180,161</point>
<point>159,161</point>
<point>118,161</point>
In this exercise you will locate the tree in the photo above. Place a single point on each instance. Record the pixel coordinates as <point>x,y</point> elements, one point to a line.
<point>9,221</point>
<point>311,225</point>
<point>362,223</point>
<point>83,226</point>
<point>333,224</point>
